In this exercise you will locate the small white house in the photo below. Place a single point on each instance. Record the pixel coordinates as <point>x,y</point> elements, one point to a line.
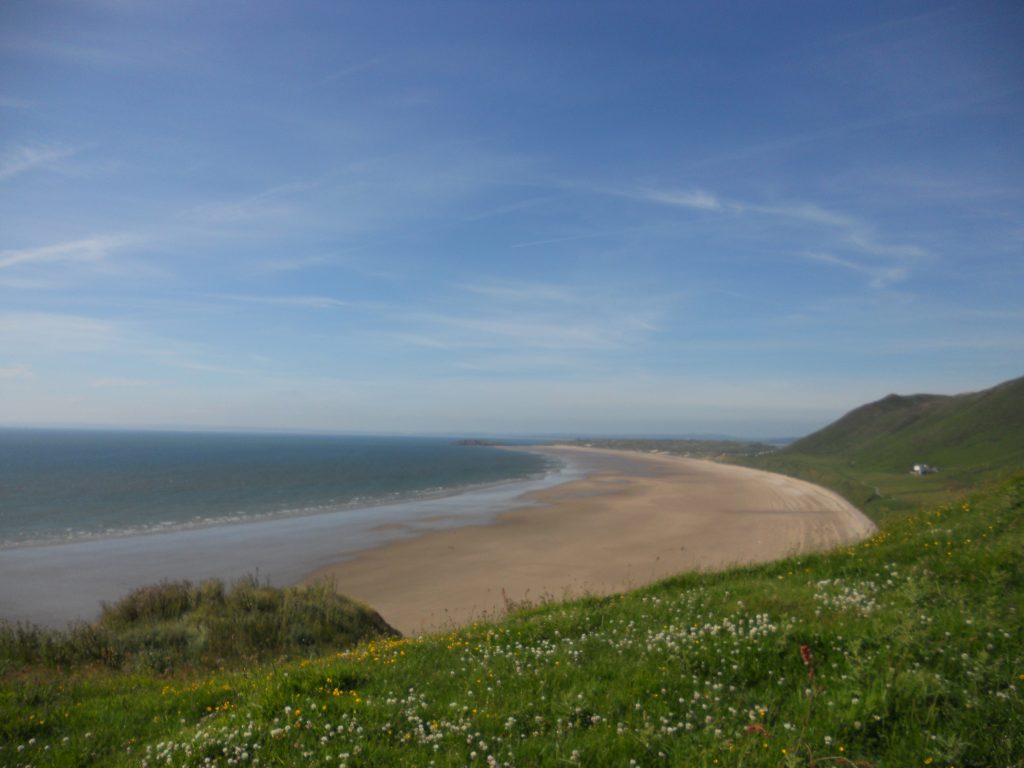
<point>923,469</point>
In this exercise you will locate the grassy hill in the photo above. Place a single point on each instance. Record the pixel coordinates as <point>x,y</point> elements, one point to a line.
<point>867,454</point>
<point>977,431</point>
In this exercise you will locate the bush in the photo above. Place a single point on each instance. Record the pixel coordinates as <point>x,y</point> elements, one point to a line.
<point>167,625</point>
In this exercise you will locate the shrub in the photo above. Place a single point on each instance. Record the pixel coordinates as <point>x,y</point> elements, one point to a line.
<point>163,626</point>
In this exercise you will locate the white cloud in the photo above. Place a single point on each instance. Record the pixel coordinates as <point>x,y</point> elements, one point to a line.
<point>865,243</point>
<point>518,363</point>
<point>695,198</point>
<point>172,359</point>
<point>58,335</point>
<point>87,250</point>
<point>27,157</point>
<point>514,290</point>
<point>21,284</point>
<point>881,276</point>
<point>307,302</point>
<point>36,332</point>
<point>518,330</point>
<point>293,264</point>
<point>16,372</point>
<point>271,203</point>
<point>851,231</point>
<point>116,382</point>
<point>570,238</point>
<point>807,212</point>
<point>519,205</point>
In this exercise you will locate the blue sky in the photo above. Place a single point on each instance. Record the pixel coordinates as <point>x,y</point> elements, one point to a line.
<point>563,217</point>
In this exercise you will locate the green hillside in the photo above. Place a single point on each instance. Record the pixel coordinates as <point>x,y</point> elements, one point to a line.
<point>978,430</point>
<point>867,455</point>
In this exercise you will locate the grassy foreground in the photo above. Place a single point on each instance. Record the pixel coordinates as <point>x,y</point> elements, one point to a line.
<point>905,650</point>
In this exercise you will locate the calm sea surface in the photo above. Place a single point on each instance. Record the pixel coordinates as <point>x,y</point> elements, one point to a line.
<point>74,485</point>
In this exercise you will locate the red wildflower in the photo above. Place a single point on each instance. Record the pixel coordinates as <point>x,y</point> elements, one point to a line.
<point>808,656</point>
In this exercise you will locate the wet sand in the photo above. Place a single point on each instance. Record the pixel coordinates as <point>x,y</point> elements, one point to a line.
<point>636,518</point>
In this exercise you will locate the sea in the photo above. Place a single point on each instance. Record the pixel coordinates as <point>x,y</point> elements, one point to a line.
<point>86,516</point>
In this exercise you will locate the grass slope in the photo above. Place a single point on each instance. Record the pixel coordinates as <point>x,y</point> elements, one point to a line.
<point>867,454</point>
<point>978,431</point>
<point>905,650</point>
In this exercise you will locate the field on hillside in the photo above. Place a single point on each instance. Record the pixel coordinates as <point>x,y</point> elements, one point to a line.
<point>907,649</point>
<point>876,492</point>
<point>867,455</point>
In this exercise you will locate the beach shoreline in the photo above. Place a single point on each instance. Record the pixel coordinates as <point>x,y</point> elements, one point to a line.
<point>56,582</point>
<point>633,519</point>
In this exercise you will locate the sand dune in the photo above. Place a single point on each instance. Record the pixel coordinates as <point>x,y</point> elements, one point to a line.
<point>636,519</point>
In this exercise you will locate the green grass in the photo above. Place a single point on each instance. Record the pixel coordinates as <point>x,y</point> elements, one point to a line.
<point>975,439</point>
<point>177,624</point>
<point>970,435</point>
<point>905,650</point>
<point>877,493</point>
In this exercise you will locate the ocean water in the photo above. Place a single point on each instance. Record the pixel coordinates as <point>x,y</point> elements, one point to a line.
<point>85,517</point>
<point>74,485</point>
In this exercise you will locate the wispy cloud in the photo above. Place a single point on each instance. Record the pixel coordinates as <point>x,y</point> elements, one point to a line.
<point>853,233</point>
<point>880,277</point>
<point>805,212</point>
<point>307,302</point>
<point>270,203</point>
<point>28,157</point>
<point>570,238</point>
<point>23,284</point>
<point>56,333</point>
<point>197,365</point>
<point>50,334</point>
<point>864,242</point>
<point>86,250</point>
<point>518,363</point>
<point>520,291</point>
<point>694,198</point>
<point>116,382</point>
<point>293,264</point>
<point>519,205</point>
<point>706,201</point>
<point>489,324</point>
<point>16,372</point>
<point>508,330</point>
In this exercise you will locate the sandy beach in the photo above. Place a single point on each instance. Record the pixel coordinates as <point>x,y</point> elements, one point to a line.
<point>636,518</point>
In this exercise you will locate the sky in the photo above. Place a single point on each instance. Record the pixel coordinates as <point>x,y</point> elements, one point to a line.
<point>653,218</point>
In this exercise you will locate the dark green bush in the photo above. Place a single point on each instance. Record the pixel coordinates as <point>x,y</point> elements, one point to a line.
<point>167,625</point>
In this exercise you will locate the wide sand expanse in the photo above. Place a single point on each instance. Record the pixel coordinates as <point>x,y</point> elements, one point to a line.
<point>635,519</point>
